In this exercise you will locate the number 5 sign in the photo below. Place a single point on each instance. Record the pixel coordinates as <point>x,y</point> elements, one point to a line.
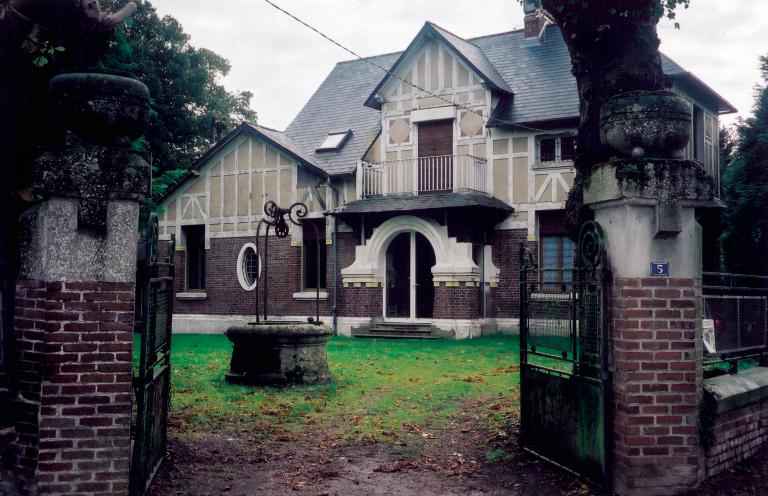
<point>659,269</point>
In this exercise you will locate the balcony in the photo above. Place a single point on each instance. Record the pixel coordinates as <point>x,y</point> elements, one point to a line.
<point>423,175</point>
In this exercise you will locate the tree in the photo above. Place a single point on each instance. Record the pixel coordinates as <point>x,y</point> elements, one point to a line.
<point>745,191</point>
<point>184,83</point>
<point>614,48</point>
<point>727,142</point>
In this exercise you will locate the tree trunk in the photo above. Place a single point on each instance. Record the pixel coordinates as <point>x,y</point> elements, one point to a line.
<point>614,48</point>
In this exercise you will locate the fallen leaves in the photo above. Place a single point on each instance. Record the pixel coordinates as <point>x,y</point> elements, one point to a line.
<point>396,466</point>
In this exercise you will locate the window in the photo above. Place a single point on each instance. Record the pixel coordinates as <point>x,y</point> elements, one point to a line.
<point>557,255</point>
<point>195,261</point>
<point>556,251</point>
<point>567,148</point>
<point>548,150</point>
<point>334,141</point>
<point>710,132</point>
<point>248,267</point>
<point>310,255</point>
<point>555,149</point>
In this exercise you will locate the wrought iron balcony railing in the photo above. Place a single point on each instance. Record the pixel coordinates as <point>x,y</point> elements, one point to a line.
<point>423,175</point>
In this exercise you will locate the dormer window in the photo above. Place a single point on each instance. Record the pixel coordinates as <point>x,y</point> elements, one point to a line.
<point>334,141</point>
<point>555,150</point>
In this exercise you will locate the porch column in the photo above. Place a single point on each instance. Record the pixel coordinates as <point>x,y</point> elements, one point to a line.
<point>647,208</point>
<point>75,295</point>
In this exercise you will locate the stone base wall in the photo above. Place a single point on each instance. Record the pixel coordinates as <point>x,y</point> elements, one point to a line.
<point>73,369</point>
<point>657,374</point>
<point>736,436</point>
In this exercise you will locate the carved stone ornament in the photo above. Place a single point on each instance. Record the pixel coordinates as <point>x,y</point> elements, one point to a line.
<point>646,124</point>
<point>94,175</point>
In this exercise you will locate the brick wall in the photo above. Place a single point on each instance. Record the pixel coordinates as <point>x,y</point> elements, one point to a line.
<point>505,299</point>
<point>657,377</point>
<point>737,435</point>
<point>456,302</point>
<point>73,364</point>
<point>225,296</point>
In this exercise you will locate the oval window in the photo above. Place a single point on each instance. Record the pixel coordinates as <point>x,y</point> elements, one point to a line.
<point>248,267</point>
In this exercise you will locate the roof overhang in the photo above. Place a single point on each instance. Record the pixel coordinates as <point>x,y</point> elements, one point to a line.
<point>699,89</point>
<point>537,126</point>
<point>425,202</point>
<point>430,31</point>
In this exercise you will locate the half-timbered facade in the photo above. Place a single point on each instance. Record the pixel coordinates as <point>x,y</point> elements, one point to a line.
<point>423,180</point>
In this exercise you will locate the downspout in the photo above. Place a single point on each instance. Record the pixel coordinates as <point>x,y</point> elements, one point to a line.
<point>334,308</point>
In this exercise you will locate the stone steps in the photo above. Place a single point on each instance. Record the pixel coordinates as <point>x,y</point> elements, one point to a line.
<point>396,330</point>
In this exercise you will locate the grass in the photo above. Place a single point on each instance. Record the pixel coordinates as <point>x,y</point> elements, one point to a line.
<point>381,388</point>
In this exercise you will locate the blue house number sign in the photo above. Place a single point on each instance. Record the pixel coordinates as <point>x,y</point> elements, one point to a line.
<point>659,269</point>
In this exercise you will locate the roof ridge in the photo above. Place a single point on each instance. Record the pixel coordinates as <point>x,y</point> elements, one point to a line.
<point>483,36</point>
<point>450,32</point>
<point>263,127</point>
<point>398,52</point>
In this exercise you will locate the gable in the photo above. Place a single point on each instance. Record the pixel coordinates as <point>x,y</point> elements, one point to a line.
<point>429,74</point>
<point>435,67</point>
<point>231,186</point>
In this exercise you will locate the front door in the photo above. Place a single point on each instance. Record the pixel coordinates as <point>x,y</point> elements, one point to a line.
<point>410,292</point>
<point>435,156</point>
<point>398,298</point>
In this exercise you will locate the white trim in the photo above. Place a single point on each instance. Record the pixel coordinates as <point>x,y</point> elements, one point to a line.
<point>453,260</point>
<point>240,274</point>
<point>192,295</point>
<point>433,114</point>
<point>310,295</point>
<point>412,276</point>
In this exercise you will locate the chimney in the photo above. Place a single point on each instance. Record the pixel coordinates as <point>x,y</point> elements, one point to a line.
<point>218,130</point>
<point>534,19</point>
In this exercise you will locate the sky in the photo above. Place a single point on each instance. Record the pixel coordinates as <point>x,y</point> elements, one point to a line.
<point>282,62</point>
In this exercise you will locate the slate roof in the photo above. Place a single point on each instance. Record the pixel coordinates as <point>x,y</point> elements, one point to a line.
<point>408,203</point>
<point>338,105</point>
<point>538,76</point>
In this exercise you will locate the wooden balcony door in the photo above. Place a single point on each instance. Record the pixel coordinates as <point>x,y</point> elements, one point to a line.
<point>435,156</point>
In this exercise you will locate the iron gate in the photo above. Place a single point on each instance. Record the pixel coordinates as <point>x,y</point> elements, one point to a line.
<point>152,376</point>
<point>564,377</point>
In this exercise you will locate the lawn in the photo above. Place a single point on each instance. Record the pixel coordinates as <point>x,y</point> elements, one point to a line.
<point>381,388</point>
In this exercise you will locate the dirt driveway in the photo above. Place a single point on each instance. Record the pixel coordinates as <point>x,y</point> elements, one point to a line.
<point>453,461</point>
<point>458,460</point>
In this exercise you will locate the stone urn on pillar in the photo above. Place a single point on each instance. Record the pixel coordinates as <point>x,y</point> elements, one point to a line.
<point>76,288</point>
<point>646,199</point>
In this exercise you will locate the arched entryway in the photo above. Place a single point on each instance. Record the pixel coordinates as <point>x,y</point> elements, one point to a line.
<point>410,291</point>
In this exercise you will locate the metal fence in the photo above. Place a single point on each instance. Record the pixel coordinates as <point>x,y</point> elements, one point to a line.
<point>735,325</point>
<point>551,310</point>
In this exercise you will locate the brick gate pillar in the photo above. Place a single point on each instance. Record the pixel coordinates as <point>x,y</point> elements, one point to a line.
<point>647,209</point>
<point>75,295</point>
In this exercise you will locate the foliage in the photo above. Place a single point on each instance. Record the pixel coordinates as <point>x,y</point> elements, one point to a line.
<point>381,389</point>
<point>745,191</point>
<point>575,10</point>
<point>185,85</point>
<point>727,142</point>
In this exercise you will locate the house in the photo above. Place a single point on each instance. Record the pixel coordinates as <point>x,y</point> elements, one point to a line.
<point>422,180</point>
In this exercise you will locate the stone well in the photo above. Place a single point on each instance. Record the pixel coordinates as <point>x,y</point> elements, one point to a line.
<point>279,353</point>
